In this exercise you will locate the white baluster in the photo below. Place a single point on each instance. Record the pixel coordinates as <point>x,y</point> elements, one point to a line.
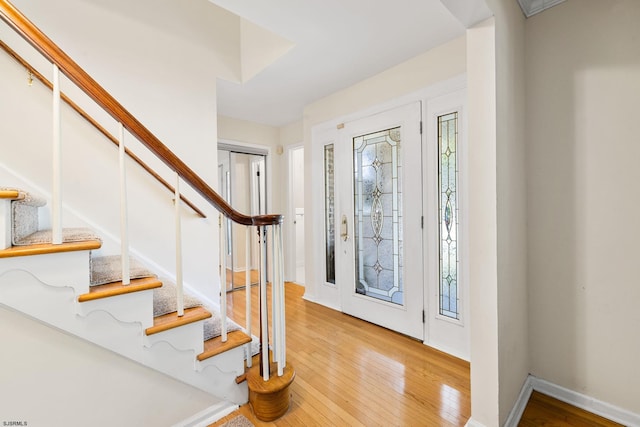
<point>264,320</point>
<point>124,222</point>
<point>247,284</point>
<point>179,285</point>
<point>223,277</point>
<point>275,301</point>
<point>282,361</point>
<point>56,203</point>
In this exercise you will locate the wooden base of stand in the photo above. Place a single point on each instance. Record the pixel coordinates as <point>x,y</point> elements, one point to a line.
<point>270,399</point>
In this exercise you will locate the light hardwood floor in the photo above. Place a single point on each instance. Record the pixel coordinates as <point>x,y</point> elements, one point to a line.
<point>352,373</point>
<point>545,411</point>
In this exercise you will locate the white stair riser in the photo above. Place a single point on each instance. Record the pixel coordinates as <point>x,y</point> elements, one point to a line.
<point>63,269</point>
<point>231,360</point>
<point>58,307</point>
<point>133,307</point>
<point>51,304</point>
<point>222,380</point>
<point>186,337</point>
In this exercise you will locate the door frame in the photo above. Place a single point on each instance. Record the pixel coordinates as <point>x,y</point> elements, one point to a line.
<point>323,133</point>
<point>251,149</point>
<point>247,148</point>
<point>290,228</point>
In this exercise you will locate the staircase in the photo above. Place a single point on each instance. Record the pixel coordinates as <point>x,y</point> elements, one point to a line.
<point>62,278</point>
<point>70,287</point>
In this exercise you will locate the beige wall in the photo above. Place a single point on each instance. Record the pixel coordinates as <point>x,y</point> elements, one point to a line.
<point>292,133</point>
<point>583,87</point>
<point>248,132</point>
<point>50,378</point>
<point>435,65</point>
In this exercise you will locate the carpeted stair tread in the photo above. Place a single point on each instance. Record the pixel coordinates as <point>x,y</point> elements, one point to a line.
<point>215,346</point>
<point>117,288</point>
<point>165,299</point>
<point>24,213</point>
<point>107,269</point>
<point>48,248</point>
<point>165,302</point>
<point>172,320</point>
<point>69,235</point>
<point>213,325</point>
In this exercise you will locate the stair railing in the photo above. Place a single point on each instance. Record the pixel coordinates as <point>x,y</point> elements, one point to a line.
<point>62,63</point>
<point>35,73</point>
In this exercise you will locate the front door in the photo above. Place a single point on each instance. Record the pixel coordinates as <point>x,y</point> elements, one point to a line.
<point>379,258</point>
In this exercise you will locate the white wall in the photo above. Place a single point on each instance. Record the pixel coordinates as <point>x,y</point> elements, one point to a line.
<point>583,87</point>
<point>53,379</point>
<point>511,203</point>
<point>160,60</point>
<point>483,244</point>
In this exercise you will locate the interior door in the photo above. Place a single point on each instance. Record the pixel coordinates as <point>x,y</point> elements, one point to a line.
<point>243,185</point>
<point>379,186</point>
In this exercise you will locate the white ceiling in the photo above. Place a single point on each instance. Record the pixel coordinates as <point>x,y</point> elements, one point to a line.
<point>337,43</point>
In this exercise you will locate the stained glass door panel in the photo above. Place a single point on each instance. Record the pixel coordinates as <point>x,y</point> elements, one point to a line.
<point>378,215</point>
<point>379,269</point>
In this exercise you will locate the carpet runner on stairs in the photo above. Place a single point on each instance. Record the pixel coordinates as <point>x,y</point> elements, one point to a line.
<point>104,269</point>
<point>108,269</point>
<point>165,301</point>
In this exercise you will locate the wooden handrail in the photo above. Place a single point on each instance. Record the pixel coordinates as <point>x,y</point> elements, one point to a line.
<point>35,73</point>
<point>32,34</point>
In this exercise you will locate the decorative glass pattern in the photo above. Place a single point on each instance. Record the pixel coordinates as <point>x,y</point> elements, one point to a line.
<point>378,215</point>
<point>329,215</point>
<point>448,218</point>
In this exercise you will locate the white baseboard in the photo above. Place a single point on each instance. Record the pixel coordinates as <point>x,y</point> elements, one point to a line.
<point>312,299</point>
<point>209,415</point>
<point>571,397</point>
<point>473,423</point>
<point>449,350</point>
<point>591,404</point>
<point>521,403</point>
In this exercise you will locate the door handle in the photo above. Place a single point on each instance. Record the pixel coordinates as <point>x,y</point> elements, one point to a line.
<point>344,228</point>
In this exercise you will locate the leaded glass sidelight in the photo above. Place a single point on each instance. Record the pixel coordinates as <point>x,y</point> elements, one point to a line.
<point>329,215</point>
<point>448,214</point>
<point>378,215</point>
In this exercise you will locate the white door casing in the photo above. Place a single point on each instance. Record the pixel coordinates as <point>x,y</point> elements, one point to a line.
<point>446,334</point>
